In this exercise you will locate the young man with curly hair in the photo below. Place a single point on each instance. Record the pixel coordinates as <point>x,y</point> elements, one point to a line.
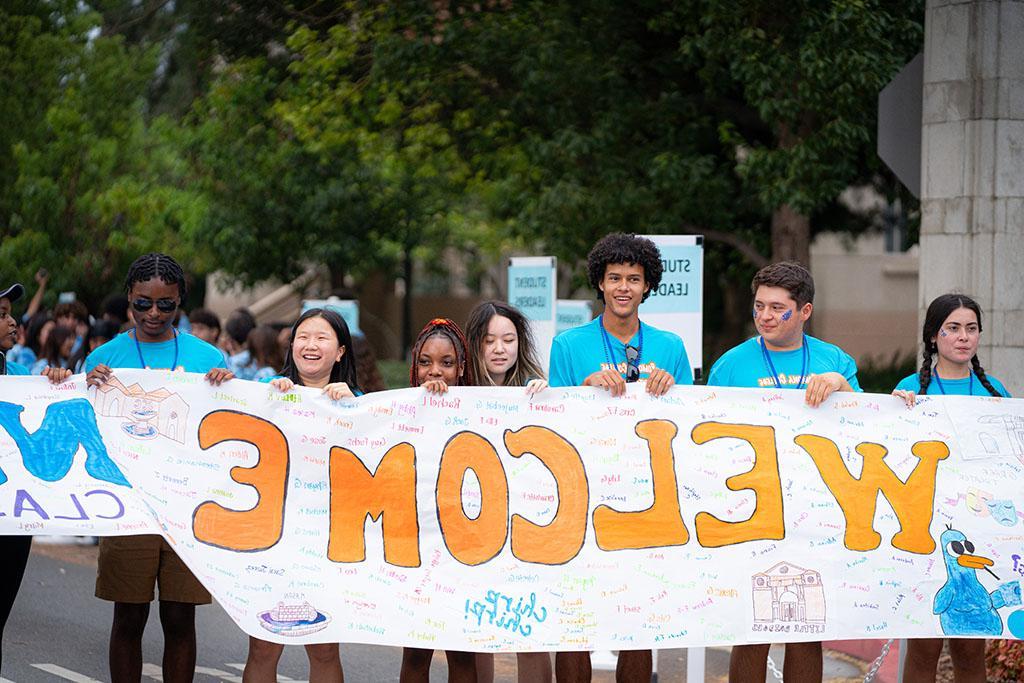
<point>783,356</point>
<point>615,349</point>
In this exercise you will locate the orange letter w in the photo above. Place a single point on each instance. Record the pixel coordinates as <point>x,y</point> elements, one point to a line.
<point>913,501</point>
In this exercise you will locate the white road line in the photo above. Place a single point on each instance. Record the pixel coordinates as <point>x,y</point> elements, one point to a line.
<point>223,675</point>
<point>5,680</point>
<point>152,671</point>
<point>241,667</point>
<point>66,674</point>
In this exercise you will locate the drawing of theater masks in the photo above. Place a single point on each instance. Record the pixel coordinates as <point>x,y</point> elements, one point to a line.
<point>1003,511</point>
<point>977,501</point>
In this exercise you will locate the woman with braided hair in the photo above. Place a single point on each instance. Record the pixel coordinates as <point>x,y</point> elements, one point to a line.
<point>439,360</point>
<point>950,366</point>
<point>131,566</point>
<point>952,330</point>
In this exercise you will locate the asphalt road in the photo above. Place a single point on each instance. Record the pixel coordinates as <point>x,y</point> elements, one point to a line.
<point>59,632</point>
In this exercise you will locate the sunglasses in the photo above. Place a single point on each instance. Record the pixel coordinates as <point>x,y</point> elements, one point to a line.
<point>162,305</point>
<point>632,363</point>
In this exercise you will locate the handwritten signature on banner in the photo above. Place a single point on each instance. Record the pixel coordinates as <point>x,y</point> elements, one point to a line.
<point>624,517</point>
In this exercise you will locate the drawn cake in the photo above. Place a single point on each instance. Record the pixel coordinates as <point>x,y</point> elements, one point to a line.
<point>293,620</point>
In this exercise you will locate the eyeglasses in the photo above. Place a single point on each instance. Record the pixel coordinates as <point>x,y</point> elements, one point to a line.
<point>162,305</point>
<point>632,363</point>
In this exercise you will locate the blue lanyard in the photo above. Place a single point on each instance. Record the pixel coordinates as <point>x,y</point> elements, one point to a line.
<point>970,385</point>
<point>608,343</point>
<point>771,366</point>
<point>142,361</point>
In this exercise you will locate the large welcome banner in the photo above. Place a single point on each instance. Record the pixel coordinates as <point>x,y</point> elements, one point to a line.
<point>483,520</point>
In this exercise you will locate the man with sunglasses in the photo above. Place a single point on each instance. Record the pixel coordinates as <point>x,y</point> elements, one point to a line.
<point>615,349</point>
<point>131,566</point>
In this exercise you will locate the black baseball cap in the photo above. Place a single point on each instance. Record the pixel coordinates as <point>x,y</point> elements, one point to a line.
<point>13,293</point>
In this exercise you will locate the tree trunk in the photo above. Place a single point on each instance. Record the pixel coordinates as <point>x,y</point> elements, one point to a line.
<point>337,276</point>
<point>791,236</point>
<point>407,301</point>
<point>791,230</point>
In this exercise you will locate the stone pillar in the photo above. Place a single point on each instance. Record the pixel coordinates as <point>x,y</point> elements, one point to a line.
<point>972,170</point>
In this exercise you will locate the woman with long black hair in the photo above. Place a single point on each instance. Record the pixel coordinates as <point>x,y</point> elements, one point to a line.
<point>949,366</point>
<point>319,356</point>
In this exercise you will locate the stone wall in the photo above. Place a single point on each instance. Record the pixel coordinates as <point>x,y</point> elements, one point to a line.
<point>972,173</point>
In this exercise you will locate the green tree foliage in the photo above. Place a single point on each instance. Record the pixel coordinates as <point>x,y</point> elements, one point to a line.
<point>795,85</point>
<point>362,135</point>
<point>95,183</point>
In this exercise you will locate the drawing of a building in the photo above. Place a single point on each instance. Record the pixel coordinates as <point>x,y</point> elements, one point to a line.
<point>788,593</point>
<point>167,412</point>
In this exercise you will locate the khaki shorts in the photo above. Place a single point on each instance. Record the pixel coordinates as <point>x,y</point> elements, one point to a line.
<point>130,567</point>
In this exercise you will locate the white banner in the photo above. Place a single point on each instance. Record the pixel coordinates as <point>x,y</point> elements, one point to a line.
<point>483,520</point>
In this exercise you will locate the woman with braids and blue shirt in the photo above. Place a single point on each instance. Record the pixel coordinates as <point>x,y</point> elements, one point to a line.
<point>130,566</point>
<point>951,332</point>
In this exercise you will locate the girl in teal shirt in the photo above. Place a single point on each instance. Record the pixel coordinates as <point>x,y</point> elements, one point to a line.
<point>952,330</point>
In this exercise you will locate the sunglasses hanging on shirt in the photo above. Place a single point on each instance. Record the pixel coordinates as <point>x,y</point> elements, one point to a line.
<point>632,363</point>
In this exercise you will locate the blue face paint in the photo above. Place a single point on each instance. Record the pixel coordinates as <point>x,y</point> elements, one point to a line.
<point>754,312</point>
<point>787,315</point>
<point>942,333</point>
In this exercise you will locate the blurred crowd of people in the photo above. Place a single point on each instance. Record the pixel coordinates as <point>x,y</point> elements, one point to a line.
<point>64,336</point>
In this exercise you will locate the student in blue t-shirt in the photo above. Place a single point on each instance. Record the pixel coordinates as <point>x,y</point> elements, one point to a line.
<point>782,356</point>
<point>130,566</point>
<point>608,352</point>
<point>951,331</point>
<point>14,549</point>
<point>616,347</point>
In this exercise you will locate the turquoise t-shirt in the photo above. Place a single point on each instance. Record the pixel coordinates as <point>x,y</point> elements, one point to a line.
<point>580,352</point>
<point>194,355</point>
<point>745,365</point>
<point>16,368</point>
<point>22,355</point>
<point>952,387</point>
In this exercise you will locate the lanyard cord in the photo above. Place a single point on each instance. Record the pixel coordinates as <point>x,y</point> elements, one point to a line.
<point>770,366</point>
<point>608,343</point>
<point>142,361</point>
<point>970,386</point>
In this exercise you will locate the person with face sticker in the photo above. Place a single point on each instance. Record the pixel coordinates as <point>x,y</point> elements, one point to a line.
<point>319,356</point>
<point>439,361</point>
<point>949,366</point>
<point>130,567</point>
<point>783,356</point>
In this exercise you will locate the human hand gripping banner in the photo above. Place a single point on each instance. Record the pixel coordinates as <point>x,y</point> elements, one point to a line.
<point>483,520</point>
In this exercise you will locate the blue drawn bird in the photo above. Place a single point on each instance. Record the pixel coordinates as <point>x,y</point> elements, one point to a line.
<point>964,606</point>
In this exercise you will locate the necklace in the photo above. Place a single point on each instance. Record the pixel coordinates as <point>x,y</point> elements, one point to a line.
<point>608,342</point>
<point>770,366</point>
<point>142,361</point>
<point>970,385</point>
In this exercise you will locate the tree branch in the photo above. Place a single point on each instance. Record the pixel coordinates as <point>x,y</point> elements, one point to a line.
<point>746,249</point>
